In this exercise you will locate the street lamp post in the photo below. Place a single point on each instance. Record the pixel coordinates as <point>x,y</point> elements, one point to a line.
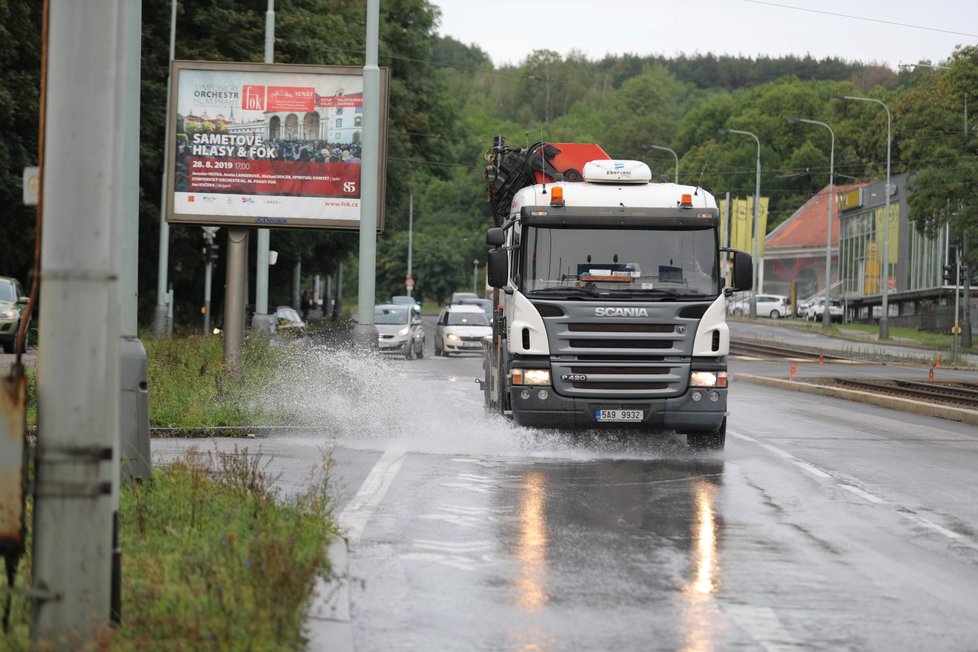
<point>674,155</point>
<point>475,276</point>
<point>757,216</point>
<point>885,271</point>
<point>826,315</point>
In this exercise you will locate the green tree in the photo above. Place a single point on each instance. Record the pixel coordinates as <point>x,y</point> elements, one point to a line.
<point>20,82</point>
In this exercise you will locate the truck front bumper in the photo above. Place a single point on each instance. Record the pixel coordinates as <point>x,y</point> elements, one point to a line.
<point>545,409</point>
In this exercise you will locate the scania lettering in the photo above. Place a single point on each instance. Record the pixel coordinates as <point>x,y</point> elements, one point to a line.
<point>621,312</point>
<point>610,295</point>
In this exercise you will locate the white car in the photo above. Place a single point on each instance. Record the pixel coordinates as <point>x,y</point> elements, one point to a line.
<point>774,306</point>
<point>399,330</point>
<point>816,310</point>
<point>460,329</point>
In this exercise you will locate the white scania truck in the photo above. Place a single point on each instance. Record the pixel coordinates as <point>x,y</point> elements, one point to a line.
<point>610,295</point>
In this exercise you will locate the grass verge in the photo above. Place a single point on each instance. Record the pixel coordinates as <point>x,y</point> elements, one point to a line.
<point>213,558</point>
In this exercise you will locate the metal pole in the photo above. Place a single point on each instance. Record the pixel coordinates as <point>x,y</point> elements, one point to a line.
<point>234,296</point>
<point>366,332</point>
<point>885,267</point>
<point>475,276</point>
<point>674,155</point>
<point>260,321</point>
<point>78,437</point>
<point>957,293</point>
<point>159,315</point>
<point>208,275</point>
<point>826,315</point>
<point>757,216</point>
<point>410,288</point>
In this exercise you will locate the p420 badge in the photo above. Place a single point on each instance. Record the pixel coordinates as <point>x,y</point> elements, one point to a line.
<point>574,378</point>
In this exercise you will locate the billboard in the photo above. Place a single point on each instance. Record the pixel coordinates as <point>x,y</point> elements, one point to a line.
<point>269,145</point>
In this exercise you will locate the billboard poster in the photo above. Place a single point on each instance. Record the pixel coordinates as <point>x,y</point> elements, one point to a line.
<point>268,145</point>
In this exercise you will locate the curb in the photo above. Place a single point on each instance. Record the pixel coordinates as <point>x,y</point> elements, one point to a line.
<point>328,623</point>
<point>969,417</point>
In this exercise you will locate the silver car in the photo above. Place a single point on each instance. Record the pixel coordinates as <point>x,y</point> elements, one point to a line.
<point>13,303</point>
<point>460,329</point>
<point>399,330</point>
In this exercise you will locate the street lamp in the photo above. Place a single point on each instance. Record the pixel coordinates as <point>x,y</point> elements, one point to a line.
<point>757,216</point>
<point>885,279</point>
<point>674,155</point>
<point>826,316</point>
<point>475,276</point>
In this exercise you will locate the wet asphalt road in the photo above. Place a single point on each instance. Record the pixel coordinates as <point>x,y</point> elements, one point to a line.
<point>824,525</point>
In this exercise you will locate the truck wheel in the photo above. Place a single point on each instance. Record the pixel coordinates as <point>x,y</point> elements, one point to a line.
<point>713,441</point>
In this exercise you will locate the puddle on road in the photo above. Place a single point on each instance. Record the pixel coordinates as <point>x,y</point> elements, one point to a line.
<point>366,401</point>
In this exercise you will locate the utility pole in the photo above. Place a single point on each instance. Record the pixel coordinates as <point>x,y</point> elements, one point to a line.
<point>160,321</point>
<point>366,331</point>
<point>88,47</point>
<point>260,321</point>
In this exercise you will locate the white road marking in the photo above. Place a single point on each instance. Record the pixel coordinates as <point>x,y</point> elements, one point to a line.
<point>354,518</point>
<point>862,494</point>
<point>804,466</point>
<point>865,495</point>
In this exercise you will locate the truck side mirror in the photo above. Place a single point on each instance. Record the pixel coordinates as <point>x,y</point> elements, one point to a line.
<point>497,267</point>
<point>495,237</point>
<point>743,271</point>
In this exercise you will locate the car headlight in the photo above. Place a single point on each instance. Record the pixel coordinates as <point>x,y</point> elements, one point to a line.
<point>10,314</point>
<point>452,337</point>
<point>708,379</point>
<point>531,376</point>
<point>403,331</point>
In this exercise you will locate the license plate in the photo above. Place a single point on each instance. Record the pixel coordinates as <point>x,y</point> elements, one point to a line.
<point>619,415</point>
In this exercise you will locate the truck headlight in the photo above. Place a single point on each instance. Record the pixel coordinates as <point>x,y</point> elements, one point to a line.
<point>531,376</point>
<point>708,379</point>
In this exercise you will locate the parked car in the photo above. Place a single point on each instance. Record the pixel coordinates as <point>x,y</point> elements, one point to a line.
<point>13,308</point>
<point>399,330</point>
<point>816,309</point>
<point>287,322</point>
<point>405,300</point>
<point>460,329</point>
<point>774,306</point>
<point>458,297</point>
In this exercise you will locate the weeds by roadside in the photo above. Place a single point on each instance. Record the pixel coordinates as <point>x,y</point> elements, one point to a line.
<point>213,558</point>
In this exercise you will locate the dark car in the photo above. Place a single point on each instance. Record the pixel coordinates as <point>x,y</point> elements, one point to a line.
<point>13,308</point>
<point>404,300</point>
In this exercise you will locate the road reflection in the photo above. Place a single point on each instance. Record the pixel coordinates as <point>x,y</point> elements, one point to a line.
<point>614,550</point>
<point>700,612</point>
<point>531,547</point>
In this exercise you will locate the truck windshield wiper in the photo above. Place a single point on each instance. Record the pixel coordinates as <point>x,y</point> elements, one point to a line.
<point>566,290</point>
<point>654,291</point>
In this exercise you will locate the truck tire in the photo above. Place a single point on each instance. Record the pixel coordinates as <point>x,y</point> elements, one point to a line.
<point>713,441</point>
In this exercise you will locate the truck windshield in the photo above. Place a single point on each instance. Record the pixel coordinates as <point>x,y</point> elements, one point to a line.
<point>681,262</point>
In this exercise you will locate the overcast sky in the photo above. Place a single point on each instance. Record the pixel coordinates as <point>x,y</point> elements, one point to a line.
<point>889,32</point>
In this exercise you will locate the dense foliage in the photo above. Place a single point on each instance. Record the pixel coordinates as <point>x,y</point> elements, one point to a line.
<point>448,100</point>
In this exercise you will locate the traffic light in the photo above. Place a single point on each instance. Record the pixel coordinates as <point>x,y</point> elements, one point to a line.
<point>949,275</point>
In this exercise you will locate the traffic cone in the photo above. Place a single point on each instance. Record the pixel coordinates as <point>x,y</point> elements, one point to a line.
<point>930,375</point>
<point>937,362</point>
<point>793,370</point>
<point>821,358</point>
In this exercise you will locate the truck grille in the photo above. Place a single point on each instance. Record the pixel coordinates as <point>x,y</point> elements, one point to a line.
<point>629,357</point>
